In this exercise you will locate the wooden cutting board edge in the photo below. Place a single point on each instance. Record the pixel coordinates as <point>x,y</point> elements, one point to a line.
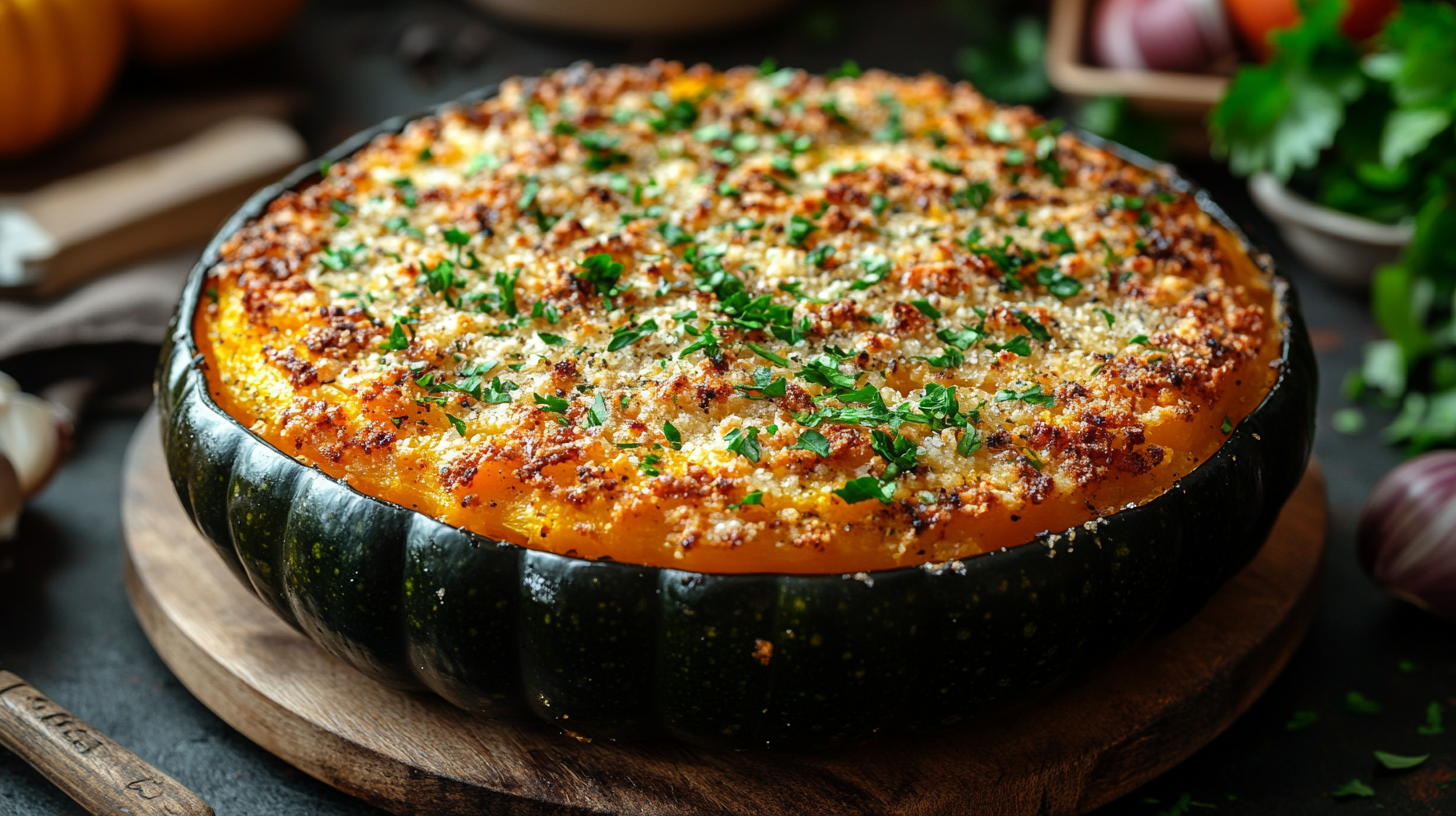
<point>412,753</point>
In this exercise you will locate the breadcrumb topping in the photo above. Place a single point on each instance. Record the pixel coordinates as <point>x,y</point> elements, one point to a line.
<point>741,322</point>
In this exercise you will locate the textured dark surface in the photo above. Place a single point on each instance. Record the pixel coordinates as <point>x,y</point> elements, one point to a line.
<point>65,624</point>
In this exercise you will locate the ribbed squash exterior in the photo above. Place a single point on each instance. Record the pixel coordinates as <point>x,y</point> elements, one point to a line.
<point>612,650</point>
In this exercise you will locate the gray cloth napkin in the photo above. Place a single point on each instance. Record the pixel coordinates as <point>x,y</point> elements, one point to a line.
<point>132,304</point>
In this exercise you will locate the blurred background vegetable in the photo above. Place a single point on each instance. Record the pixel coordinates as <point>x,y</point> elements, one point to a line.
<point>171,32</point>
<point>57,60</point>
<point>1257,19</point>
<point>1371,135</point>
<point>1407,534</point>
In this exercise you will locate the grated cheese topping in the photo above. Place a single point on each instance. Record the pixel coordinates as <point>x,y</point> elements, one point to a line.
<point>736,322</point>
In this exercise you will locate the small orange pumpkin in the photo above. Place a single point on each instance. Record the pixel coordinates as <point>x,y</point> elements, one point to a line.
<point>174,32</point>
<point>57,60</point>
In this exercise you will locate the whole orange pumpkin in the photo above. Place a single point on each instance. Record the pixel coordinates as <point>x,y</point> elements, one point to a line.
<point>1256,18</point>
<point>57,60</point>
<point>174,32</point>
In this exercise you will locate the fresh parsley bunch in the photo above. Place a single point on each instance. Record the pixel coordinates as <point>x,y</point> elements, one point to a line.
<point>1371,134</point>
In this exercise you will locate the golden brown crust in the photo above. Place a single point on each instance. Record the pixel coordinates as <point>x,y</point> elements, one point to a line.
<point>713,321</point>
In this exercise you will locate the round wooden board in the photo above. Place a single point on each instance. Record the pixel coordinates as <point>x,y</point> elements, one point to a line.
<point>413,753</point>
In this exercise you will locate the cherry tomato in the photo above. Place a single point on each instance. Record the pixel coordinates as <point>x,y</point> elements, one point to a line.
<point>1254,19</point>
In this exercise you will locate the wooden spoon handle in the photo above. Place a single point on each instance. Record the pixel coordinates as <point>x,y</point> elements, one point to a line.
<point>100,775</point>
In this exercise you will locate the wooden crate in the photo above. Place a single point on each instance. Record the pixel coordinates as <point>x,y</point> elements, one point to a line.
<point>1182,100</point>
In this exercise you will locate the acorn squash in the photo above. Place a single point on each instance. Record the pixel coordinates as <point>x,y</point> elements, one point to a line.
<point>717,655</point>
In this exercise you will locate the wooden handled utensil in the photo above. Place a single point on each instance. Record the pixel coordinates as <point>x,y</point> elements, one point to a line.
<point>100,775</point>
<point>72,230</point>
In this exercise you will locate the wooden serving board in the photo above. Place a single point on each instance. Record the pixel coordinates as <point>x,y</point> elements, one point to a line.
<point>413,753</point>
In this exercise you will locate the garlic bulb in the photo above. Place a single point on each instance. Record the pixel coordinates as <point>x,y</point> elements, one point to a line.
<point>32,438</point>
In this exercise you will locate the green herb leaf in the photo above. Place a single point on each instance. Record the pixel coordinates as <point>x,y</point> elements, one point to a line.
<point>1300,720</point>
<point>1010,69</point>
<point>1227,427</point>
<point>457,423</point>
<point>1033,327</point>
<point>923,306</point>
<point>864,489</point>
<point>1353,788</point>
<point>551,403</point>
<point>1020,345</point>
<point>1357,703</point>
<point>602,273</point>
<point>673,436</point>
<point>1108,316</point>
<point>1061,285</point>
<point>1396,762</point>
<point>756,497</point>
<point>812,441</point>
<point>627,335</point>
<point>744,443</point>
<point>1032,395</point>
<point>767,355</point>
<point>799,229</point>
<point>1433,726</point>
<point>551,339</point>
<point>597,415</point>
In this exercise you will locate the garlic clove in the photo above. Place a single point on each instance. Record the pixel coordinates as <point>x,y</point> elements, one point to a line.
<point>32,434</point>
<point>11,499</point>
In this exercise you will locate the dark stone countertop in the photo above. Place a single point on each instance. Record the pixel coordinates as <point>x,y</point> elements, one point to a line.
<point>68,629</point>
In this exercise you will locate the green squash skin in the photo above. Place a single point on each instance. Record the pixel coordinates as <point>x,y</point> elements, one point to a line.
<point>619,651</point>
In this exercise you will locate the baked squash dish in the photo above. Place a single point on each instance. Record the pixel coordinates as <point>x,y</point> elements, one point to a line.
<point>815,405</point>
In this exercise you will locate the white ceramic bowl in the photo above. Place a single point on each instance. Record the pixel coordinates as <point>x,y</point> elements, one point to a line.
<point>630,18</point>
<point>1344,248</point>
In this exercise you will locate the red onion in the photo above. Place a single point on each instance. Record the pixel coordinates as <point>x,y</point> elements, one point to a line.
<point>1407,535</point>
<point>1160,35</point>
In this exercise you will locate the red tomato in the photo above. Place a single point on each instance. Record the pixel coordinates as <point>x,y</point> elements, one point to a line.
<point>1256,18</point>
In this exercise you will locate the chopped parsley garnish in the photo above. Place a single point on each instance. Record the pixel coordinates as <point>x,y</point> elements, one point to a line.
<point>1300,720</point>
<point>1139,340</point>
<point>1108,316</point>
<point>481,161</point>
<point>784,165</point>
<point>398,420</point>
<point>602,273</point>
<point>878,203</point>
<point>397,341</point>
<point>923,306</point>
<point>974,197</point>
<point>820,255</point>
<point>865,488</point>
<point>551,403</point>
<point>876,268</point>
<point>1060,240</point>
<point>764,385</point>
<point>812,441</point>
<point>340,258</point>
<point>961,339</point>
<point>799,229</point>
<point>1032,395</point>
<point>1396,762</point>
<point>1433,724</point>
<point>946,167</point>
<point>602,151</point>
<point>1353,788</point>
<point>948,358</point>
<point>399,224</point>
<point>672,435</point>
<point>1227,427</point>
<point>767,355</point>
<point>824,372</point>
<point>795,288</point>
<point>678,115</point>
<point>1357,703</point>
<point>744,442</point>
<point>626,335</point>
<point>542,308</point>
<point>551,339</point>
<point>674,234</point>
<point>1020,345</point>
<point>1059,284</point>
<point>648,465</point>
<point>898,451</point>
<point>407,192</point>
<point>756,497</point>
<point>457,423</point>
<point>596,416</point>
<point>1036,329</point>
